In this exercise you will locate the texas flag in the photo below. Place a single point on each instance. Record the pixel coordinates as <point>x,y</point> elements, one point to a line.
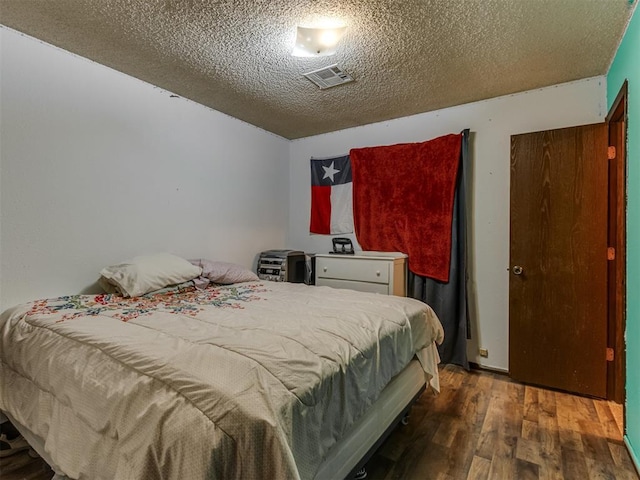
<point>331,196</point>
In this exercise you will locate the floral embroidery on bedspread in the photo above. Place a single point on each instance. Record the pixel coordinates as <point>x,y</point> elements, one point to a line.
<point>184,300</point>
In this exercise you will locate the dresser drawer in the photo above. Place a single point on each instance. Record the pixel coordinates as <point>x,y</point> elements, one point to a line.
<point>382,288</point>
<point>354,269</point>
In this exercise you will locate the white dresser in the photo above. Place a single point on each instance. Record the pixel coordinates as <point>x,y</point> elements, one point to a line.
<point>377,272</point>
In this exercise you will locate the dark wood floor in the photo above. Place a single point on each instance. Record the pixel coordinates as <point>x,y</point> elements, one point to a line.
<point>22,466</point>
<point>485,426</point>
<point>482,426</point>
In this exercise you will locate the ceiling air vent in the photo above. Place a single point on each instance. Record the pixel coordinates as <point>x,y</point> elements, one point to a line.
<point>328,77</point>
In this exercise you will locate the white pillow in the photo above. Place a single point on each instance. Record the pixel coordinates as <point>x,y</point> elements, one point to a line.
<point>147,273</point>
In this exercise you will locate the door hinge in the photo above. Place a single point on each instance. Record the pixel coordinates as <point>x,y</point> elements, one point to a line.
<point>611,253</point>
<point>611,153</point>
<point>610,354</point>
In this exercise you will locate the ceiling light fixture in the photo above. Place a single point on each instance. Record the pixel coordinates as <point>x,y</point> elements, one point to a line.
<point>317,42</point>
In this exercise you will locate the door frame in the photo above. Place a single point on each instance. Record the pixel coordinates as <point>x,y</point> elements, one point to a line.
<point>617,125</point>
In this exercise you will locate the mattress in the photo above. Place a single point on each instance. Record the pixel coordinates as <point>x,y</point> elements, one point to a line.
<point>266,378</point>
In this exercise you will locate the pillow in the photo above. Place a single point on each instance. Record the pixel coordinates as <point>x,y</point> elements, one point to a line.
<point>224,272</point>
<point>147,273</point>
<point>183,287</point>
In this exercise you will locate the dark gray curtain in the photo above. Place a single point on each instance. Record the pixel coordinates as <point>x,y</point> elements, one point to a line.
<point>449,300</point>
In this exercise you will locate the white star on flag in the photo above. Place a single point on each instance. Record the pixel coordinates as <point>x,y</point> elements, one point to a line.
<point>330,172</point>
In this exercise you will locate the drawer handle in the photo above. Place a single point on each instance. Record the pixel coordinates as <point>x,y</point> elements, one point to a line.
<point>324,269</point>
<point>378,273</point>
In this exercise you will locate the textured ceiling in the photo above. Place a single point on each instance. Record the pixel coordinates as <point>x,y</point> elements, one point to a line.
<point>407,57</point>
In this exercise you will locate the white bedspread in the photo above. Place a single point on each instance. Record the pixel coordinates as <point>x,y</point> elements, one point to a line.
<point>252,380</point>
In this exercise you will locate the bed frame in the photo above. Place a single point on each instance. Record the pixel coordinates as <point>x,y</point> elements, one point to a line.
<point>355,449</point>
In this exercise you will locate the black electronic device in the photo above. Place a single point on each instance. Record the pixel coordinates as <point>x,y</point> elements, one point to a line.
<point>342,246</point>
<point>282,266</point>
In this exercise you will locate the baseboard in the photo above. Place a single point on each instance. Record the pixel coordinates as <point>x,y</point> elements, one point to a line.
<point>634,459</point>
<point>477,366</point>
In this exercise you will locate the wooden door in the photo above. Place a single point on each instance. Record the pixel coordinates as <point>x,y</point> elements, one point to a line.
<point>558,269</point>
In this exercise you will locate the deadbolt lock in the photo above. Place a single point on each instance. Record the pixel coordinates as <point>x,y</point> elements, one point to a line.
<point>517,270</point>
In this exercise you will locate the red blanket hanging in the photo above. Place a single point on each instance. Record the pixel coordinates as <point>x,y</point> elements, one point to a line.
<point>403,201</point>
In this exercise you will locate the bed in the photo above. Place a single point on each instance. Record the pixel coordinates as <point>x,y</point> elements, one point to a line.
<point>249,380</point>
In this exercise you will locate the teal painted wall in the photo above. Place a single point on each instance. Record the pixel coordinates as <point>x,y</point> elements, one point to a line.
<point>626,65</point>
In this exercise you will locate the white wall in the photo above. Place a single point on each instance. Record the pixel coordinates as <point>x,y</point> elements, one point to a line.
<point>97,167</point>
<point>492,122</point>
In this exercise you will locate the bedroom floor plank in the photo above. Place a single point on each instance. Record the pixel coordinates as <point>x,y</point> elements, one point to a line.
<point>479,469</point>
<point>486,426</point>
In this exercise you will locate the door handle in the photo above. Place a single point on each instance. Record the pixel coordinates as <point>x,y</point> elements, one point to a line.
<point>517,270</point>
